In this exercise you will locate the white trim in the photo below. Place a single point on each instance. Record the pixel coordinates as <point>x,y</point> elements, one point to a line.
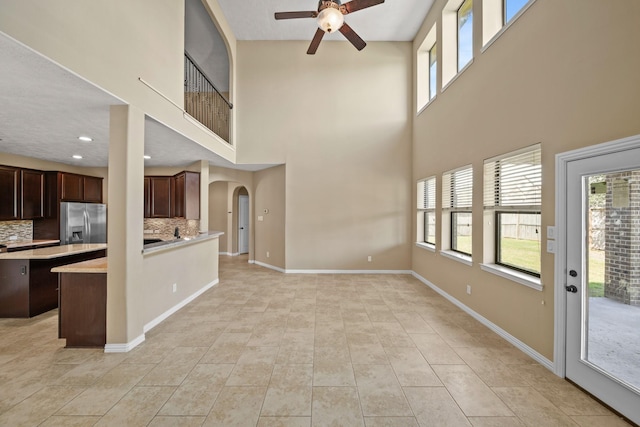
<point>508,25</point>
<point>272,267</point>
<point>126,347</point>
<point>454,78</point>
<point>495,328</point>
<point>348,271</point>
<point>251,261</point>
<point>425,106</point>
<point>155,322</point>
<point>428,246</point>
<point>229,253</point>
<point>560,295</point>
<point>456,256</point>
<point>514,275</point>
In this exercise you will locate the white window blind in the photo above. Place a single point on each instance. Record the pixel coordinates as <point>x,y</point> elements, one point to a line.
<point>514,181</point>
<point>457,188</point>
<point>427,193</point>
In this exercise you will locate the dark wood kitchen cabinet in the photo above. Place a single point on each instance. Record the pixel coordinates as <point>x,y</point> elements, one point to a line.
<point>21,193</point>
<point>80,188</point>
<point>187,197</point>
<point>161,190</point>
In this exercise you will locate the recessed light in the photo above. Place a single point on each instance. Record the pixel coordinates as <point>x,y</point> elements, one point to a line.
<point>77,156</point>
<point>85,138</point>
<point>147,157</point>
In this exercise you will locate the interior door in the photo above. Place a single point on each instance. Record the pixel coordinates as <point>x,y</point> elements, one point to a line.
<point>243,224</point>
<point>603,278</point>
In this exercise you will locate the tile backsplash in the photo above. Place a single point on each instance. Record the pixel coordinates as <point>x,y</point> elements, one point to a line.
<point>164,227</point>
<point>22,230</point>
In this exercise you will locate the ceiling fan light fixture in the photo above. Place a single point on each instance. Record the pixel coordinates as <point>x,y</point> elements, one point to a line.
<point>330,20</point>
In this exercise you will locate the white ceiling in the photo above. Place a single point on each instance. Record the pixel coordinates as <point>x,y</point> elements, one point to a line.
<point>394,20</point>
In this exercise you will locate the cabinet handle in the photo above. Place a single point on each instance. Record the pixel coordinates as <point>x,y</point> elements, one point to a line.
<point>23,270</point>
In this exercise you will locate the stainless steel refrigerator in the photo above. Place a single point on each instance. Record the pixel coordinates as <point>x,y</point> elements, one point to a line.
<point>83,223</point>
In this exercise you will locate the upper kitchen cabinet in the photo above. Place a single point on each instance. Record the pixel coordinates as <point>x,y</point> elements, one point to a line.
<point>21,193</point>
<point>175,196</point>
<point>80,188</point>
<point>161,190</point>
<point>187,197</point>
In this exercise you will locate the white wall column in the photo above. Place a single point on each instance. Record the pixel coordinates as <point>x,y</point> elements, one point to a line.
<point>125,299</point>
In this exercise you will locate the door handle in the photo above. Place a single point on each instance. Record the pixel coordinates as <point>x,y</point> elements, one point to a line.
<point>573,273</point>
<point>571,288</point>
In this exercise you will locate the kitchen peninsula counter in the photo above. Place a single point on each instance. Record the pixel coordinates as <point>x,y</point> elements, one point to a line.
<point>176,243</point>
<point>54,251</point>
<point>27,285</point>
<point>17,245</point>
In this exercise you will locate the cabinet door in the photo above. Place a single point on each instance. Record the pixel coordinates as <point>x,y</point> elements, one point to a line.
<point>92,189</point>
<point>147,197</point>
<point>192,195</point>
<point>72,188</point>
<point>179,196</point>
<point>160,188</point>
<point>9,193</point>
<point>32,194</point>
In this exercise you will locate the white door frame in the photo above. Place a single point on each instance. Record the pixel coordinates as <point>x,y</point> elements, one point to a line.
<point>560,304</point>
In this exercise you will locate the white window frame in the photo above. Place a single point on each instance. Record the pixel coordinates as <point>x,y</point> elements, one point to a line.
<point>423,77</point>
<point>449,45</point>
<point>493,20</point>
<point>456,198</point>
<point>529,202</point>
<point>426,204</point>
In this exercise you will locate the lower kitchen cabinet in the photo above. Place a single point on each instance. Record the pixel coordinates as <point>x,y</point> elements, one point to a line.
<point>83,309</point>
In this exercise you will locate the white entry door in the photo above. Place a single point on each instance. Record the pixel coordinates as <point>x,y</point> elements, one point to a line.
<point>602,276</point>
<point>243,224</point>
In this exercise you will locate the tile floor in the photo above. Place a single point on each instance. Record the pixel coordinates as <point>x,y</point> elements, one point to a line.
<point>267,349</point>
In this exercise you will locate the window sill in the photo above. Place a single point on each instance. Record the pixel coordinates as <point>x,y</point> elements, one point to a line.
<point>505,27</point>
<point>465,259</point>
<point>513,275</point>
<point>454,78</point>
<point>427,246</point>
<point>425,106</point>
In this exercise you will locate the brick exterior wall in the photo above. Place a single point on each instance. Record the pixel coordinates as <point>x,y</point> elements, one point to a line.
<point>622,238</point>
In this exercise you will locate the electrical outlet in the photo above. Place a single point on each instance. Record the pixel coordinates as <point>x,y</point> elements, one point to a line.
<point>268,254</point>
<point>469,289</point>
<point>175,287</point>
<point>369,258</point>
<point>13,237</point>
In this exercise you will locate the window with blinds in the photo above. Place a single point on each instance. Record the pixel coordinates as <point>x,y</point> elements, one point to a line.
<point>457,199</point>
<point>427,211</point>
<point>513,191</point>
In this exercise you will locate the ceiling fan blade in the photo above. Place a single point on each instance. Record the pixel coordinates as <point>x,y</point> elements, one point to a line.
<point>317,38</point>
<point>294,15</point>
<point>355,5</point>
<point>351,35</point>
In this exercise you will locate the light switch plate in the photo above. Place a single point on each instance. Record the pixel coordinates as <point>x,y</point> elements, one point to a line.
<point>551,246</point>
<point>260,218</point>
<point>551,232</point>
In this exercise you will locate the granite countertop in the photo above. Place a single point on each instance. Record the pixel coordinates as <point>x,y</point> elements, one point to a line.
<point>98,265</point>
<point>17,244</point>
<point>170,244</point>
<point>54,251</point>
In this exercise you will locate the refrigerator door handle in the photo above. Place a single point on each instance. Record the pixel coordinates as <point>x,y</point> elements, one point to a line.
<point>87,225</point>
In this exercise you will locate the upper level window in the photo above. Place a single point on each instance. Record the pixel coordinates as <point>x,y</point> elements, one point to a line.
<point>465,33</point>
<point>512,203</point>
<point>457,196</point>
<point>433,70</point>
<point>496,14</point>
<point>427,69</point>
<point>426,223</point>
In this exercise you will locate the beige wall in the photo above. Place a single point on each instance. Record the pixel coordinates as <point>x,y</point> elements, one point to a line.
<point>562,75</point>
<point>198,268</point>
<point>341,121</point>
<point>113,44</point>
<point>270,232</point>
<point>218,211</point>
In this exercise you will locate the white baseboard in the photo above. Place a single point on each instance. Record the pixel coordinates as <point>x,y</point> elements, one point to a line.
<point>126,347</point>
<point>272,267</point>
<point>495,328</point>
<point>155,322</point>
<point>348,271</point>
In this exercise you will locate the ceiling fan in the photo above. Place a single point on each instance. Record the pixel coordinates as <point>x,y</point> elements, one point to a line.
<point>330,17</point>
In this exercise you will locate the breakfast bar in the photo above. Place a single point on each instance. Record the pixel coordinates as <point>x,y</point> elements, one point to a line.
<point>82,316</point>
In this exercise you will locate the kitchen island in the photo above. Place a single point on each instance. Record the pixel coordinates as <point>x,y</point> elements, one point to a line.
<point>27,285</point>
<point>82,317</point>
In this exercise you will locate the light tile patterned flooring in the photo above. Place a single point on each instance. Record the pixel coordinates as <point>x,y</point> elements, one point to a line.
<point>267,349</point>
